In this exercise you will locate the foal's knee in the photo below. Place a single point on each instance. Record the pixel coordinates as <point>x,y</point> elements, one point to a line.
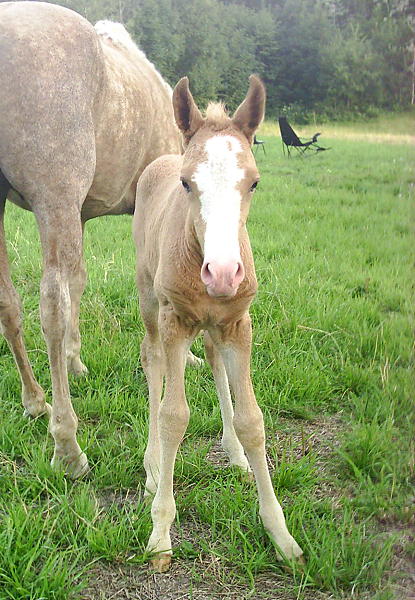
<point>249,427</point>
<point>173,419</point>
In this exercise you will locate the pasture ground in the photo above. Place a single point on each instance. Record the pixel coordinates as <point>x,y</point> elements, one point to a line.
<point>332,364</point>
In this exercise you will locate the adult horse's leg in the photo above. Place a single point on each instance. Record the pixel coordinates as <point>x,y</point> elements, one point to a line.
<point>249,426</point>
<point>193,361</point>
<point>77,281</point>
<point>61,236</point>
<point>172,423</point>
<point>11,324</point>
<point>230,442</point>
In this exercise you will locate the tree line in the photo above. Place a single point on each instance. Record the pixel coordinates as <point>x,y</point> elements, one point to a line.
<point>335,58</point>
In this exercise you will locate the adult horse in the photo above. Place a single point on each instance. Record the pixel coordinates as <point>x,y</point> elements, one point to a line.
<point>82,112</point>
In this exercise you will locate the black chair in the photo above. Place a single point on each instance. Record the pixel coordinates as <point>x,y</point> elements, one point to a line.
<point>290,139</point>
<point>258,143</point>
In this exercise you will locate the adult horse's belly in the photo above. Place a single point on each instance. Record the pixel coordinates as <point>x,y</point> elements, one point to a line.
<point>93,207</point>
<point>17,199</point>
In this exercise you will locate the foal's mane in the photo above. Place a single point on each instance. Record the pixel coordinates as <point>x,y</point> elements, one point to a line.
<point>216,116</point>
<point>119,36</point>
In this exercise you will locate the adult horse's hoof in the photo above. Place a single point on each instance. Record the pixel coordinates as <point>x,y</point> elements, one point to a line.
<point>76,367</point>
<point>37,411</point>
<point>34,404</point>
<point>75,469</point>
<point>194,361</point>
<point>161,563</point>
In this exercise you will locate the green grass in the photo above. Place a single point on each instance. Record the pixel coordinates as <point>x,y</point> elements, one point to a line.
<point>396,128</point>
<point>332,372</point>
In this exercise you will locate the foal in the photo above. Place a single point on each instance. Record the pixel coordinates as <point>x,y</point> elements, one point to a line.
<point>195,272</point>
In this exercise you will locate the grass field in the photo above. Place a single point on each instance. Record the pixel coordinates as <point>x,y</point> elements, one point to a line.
<point>332,365</point>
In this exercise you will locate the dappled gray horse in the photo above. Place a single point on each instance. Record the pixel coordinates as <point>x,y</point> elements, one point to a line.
<point>82,112</point>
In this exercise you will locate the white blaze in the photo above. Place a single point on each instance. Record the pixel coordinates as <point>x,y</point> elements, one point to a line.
<point>216,179</point>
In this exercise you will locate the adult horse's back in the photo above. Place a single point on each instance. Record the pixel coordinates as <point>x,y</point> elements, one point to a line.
<point>82,112</point>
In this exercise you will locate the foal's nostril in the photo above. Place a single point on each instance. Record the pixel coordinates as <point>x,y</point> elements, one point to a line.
<point>239,274</point>
<point>206,274</point>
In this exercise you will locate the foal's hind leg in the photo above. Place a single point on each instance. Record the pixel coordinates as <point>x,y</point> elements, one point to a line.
<point>11,326</point>
<point>61,237</point>
<point>230,442</point>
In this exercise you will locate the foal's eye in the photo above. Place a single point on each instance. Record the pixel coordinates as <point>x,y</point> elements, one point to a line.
<point>253,186</point>
<point>185,185</point>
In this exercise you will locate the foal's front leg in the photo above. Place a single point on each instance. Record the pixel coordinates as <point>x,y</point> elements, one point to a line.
<point>235,347</point>
<point>173,418</point>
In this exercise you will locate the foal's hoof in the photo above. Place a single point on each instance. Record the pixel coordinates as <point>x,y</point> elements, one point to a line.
<point>75,469</point>
<point>237,459</point>
<point>161,563</point>
<point>149,493</point>
<point>247,476</point>
<point>291,551</point>
<point>241,464</point>
<point>296,565</point>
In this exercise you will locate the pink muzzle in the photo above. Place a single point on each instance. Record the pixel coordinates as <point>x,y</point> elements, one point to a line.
<point>222,280</point>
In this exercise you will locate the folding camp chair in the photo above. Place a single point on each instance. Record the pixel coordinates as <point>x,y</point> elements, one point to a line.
<point>290,138</point>
<point>258,143</point>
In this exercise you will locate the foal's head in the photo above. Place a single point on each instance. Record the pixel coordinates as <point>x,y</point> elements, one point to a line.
<point>219,176</point>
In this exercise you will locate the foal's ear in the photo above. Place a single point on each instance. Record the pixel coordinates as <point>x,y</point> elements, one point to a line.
<point>251,112</point>
<point>186,113</point>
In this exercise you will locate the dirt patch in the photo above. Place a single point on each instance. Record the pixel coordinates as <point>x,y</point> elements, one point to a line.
<point>299,438</point>
<point>403,562</point>
<point>121,498</point>
<point>294,439</point>
<point>202,577</point>
<point>193,580</point>
<point>319,438</point>
<point>404,574</point>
